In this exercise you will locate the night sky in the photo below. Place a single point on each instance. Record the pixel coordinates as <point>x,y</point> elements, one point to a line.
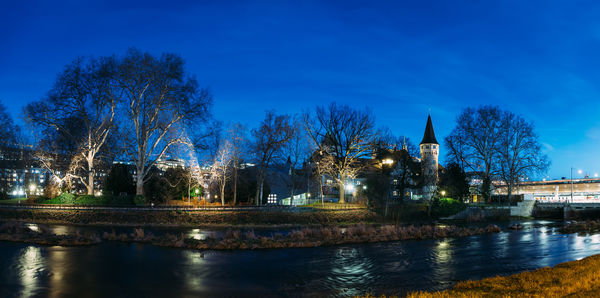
<point>535,58</point>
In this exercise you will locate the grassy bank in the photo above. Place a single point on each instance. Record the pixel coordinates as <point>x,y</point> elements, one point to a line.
<point>189,218</point>
<point>236,239</point>
<point>575,279</point>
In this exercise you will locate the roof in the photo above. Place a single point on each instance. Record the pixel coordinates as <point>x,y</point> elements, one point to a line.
<point>429,137</point>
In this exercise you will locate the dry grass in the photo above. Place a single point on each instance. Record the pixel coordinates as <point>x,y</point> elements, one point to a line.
<point>238,239</point>
<point>572,279</point>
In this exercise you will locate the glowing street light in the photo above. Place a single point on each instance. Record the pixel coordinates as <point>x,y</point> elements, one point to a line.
<point>443,192</point>
<point>388,161</point>
<point>350,187</point>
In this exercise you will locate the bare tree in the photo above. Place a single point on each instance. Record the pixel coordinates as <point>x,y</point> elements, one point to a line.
<point>10,133</point>
<point>220,170</point>
<point>269,138</point>
<point>519,151</point>
<point>81,106</point>
<point>161,106</point>
<point>347,135</point>
<point>474,140</point>
<point>296,150</point>
<point>237,138</point>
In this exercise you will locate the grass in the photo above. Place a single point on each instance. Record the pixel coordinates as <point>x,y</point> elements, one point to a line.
<point>329,205</point>
<point>575,279</point>
<point>190,218</point>
<point>13,201</point>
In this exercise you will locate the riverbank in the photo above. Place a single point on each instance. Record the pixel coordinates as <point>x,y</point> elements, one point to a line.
<point>201,218</point>
<point>577,278</point>
<point>237,239</point>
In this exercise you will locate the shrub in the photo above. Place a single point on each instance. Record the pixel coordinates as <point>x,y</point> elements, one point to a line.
<point>447,207</point>
<point>66,198</point>
<point>139,200</point>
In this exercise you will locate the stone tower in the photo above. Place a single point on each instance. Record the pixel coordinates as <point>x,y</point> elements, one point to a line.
<point>429,160</point>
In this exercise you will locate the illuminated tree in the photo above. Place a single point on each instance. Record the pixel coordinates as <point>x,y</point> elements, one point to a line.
<point>162,107</point>
<point>81,107</point>
<point>237,138</point>
<point>346,135</point>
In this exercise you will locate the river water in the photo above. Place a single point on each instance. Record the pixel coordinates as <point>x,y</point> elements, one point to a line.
<point>134,270</point>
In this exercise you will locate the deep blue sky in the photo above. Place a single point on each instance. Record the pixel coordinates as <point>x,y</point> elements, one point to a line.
<point>400,58</point>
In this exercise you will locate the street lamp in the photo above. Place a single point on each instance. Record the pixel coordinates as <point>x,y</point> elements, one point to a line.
<point>388,161</point>
<point>443,193</point>
<point>32,188</point>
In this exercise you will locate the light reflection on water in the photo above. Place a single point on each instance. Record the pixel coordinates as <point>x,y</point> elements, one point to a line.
<point>351,269</point>
<point>115,269</point>
<point>30,266</point>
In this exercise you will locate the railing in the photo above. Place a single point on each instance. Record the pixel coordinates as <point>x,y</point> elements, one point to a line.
<point>169,208</point>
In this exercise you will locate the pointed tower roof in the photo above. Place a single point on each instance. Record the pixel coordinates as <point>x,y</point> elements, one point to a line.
<point>429,137</point>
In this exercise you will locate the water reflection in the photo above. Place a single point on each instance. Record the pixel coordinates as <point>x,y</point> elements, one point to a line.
<point>30,267</point>
<point>193,261</point>
<point>198,234</point>
<point>393,268</point>
<point>351,270</point>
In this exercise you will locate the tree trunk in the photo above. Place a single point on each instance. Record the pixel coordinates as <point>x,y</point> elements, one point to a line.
<point>342,192</point>
<point>259,188</point>
<point>90,179</point>
<point>321,191</point>
<point>139,184</point>
<point>292,191</point>
<point>90,186</point>
<point>262,183</point>
<point>235,185</point>
<point>509,187</point>
<point>223,193</point>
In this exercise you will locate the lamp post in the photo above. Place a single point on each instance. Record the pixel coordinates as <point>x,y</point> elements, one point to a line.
<point>571,184</point>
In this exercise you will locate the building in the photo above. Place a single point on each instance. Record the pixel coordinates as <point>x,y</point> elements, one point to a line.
<point>20,173</point>
<point>586,190</point>
<point>429,148</point>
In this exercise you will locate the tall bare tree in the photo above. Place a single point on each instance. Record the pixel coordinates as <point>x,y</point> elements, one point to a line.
<point>81,106</point>
<point>273,132</point>
<point>238,139</point>
<point>474,140</point>
<point>295,150</point>
<point>161,105</point>
<point>346,134</point>
<point>519,151</point>
<point>221,168</point>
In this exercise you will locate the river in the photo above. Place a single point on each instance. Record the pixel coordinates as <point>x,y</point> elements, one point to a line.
<point>134,270</point>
